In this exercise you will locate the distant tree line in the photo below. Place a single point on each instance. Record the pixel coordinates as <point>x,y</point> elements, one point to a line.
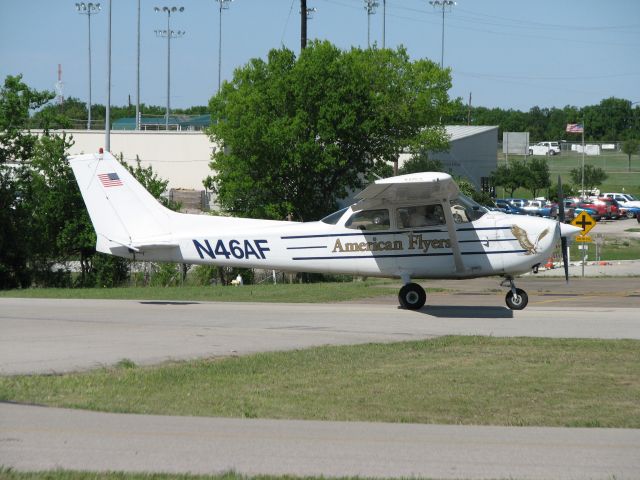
<point>73,113</point>
<point>613,119</point>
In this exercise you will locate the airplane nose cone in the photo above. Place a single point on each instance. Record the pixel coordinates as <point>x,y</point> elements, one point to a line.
<point>567,230</point>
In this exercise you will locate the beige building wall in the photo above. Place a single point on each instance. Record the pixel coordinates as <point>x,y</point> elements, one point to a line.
<point>182,158</point>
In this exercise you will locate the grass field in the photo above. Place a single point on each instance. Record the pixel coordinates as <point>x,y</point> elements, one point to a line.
<point>292,293</point>
<point>613,248</point>
<point>621,179</point>
<point>7,474</point>
<point>448,380</point>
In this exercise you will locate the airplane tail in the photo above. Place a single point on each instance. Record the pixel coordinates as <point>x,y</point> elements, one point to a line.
<point>124,214</point>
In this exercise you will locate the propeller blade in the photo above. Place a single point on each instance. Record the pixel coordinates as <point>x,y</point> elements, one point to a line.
<point>560,201</point>
<point>565,260</point>
<point>563,240</point>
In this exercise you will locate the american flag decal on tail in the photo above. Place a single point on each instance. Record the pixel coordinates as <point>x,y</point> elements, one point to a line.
<point>110,179</point>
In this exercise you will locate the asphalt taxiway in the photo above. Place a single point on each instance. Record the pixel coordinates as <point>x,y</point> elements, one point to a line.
<point>53,336</point>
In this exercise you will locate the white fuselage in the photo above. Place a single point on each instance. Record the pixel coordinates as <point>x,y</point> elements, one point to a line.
<point>488,246</point>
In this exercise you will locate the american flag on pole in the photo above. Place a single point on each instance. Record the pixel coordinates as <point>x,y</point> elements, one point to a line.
<point>110,179</point>
<point>575,128</point>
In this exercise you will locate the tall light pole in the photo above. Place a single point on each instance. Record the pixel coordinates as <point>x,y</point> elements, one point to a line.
<point>107,113</point>
<point>88,9</point>
<point>384,23</point>
<point>224,5</point>
<point>442,4</point>
<point>370,7</point>
<point>169,34</point>
<point>138,75</point>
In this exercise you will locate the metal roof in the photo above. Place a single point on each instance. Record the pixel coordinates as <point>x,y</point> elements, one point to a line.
<point>456,132</point>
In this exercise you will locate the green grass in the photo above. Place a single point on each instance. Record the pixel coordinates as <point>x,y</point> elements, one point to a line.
<point>448,380</point>
<point>303,293</point>
<point>9,474</point>
<point>614,164</point>
<point>612,249</point>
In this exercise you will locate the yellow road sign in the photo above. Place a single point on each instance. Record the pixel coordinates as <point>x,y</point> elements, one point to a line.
<point>584,238</point>
<point>584,221</point>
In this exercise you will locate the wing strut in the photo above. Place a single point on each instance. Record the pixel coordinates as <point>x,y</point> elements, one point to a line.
<point>453,236</point>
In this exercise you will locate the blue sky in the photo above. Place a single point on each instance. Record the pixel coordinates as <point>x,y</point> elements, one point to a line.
<point>508,53</point>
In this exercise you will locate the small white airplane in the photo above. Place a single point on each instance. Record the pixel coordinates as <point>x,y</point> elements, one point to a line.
<point>416,226</point>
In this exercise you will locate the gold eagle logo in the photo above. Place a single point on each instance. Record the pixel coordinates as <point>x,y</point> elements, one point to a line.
<point>523,239</point>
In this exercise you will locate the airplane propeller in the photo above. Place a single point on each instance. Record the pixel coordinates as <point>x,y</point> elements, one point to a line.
<point>563,240</point>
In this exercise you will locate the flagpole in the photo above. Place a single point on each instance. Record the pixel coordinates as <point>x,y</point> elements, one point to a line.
<point>583,157</point>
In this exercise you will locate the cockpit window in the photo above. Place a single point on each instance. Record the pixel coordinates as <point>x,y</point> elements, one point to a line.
<point>466,210</point>
<point>420,216</point>
<point>369,220</point>
<point>334,217</point>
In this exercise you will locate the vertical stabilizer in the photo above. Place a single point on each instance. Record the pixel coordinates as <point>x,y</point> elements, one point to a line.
<point>122,211</point>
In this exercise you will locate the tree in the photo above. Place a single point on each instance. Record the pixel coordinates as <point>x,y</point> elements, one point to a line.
<point>538,176</point>
<point>17,147</point>
<point>593,176</point>
<point>630,147</point>
<point>298,133</point>
<point>511,177</point>
<point>420,163</point>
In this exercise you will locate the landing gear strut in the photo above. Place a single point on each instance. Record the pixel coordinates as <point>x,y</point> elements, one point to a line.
<point>516,298</point>
<point>412,296</point>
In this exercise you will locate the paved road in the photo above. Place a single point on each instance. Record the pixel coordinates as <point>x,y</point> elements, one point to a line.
<point>35,438</point>
<point>61,335</point>
<point>52,336</point>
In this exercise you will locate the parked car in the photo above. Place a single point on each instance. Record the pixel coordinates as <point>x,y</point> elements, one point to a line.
<point>569,210</point>
<point>507,207</point>
<point>613,210</point>
<point>624,199</point>
<point>541,208</point>
<point>545,148</point>
<point>629,212</point>
<point>518,202</point>
<point>585,207</point>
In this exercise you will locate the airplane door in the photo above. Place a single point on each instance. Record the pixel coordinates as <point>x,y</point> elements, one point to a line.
<point>478,239</point>
<point>422,231</point>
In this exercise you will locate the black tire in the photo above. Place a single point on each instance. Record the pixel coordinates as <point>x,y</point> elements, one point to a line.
<point>517,302</point>
<point>412,296</point>
<point>530,151</point>
<point>629,214</point>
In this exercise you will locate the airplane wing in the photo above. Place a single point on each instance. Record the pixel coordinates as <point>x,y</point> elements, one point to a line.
<point>414,186</point>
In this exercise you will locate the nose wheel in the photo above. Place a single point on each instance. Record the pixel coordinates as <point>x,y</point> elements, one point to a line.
<point>412,296</point>
<point>516,298</point>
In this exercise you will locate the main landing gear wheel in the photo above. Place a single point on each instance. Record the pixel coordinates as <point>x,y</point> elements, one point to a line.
<point>412,296</point>
<point>517,300</point>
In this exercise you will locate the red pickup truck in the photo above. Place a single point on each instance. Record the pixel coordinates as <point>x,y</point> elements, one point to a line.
<point>605,207</point>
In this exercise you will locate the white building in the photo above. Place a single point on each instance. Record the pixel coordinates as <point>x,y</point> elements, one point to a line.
<point>182,157</point>
<point>473,152</point>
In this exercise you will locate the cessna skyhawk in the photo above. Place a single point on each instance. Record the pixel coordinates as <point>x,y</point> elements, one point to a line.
<point>416,226</point>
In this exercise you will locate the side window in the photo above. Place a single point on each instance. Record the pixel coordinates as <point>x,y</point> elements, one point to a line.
<point>369,220</point>
<point>420,216</point>
<point>465,210</point>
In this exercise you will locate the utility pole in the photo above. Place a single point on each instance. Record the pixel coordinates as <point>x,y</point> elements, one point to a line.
<point>384,22</point>
<point>370,7</point>
<point>303,24</point>
<point>224,5</point>
<point>442,4</point>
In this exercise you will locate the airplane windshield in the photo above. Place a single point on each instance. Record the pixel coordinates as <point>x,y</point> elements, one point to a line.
<point>465,210</point>
<point>334,217</point>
